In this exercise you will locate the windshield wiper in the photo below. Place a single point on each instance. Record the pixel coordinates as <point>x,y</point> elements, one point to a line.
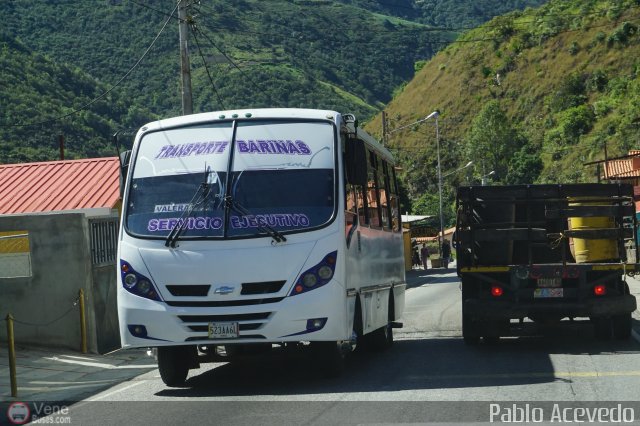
<point>266,228</point>
<point>204,188</point>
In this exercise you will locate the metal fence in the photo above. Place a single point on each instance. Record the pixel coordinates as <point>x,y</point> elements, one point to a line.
<point>104,241</point>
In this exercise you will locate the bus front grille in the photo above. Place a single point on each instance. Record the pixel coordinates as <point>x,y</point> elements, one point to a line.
<point>189,290</point>
<point>264,287</point>
<point>225,318</point>
<point>235,339</point>
<point>223,303</point>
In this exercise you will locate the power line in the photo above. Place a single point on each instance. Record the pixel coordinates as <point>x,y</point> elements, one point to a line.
<point>230,60</point>
<point>206,67</point>
<point>96,99</point>
<point>158,11</point>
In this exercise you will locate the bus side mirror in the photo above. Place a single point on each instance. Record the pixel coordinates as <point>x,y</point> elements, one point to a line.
<point>356,162</point>
<point>125,157</point>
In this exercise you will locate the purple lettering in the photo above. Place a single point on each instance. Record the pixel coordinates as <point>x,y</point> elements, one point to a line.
<point>292,148</point>
<point>163,151</point>
<point>281,147</point>
<point>264,147</point>
<point>242,146</point>
<point>253,147</point>
<point>303,147</point>
<point>153,225</point>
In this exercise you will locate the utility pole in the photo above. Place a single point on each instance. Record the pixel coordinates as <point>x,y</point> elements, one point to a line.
<point>185,67</point>
<point>384,128</point>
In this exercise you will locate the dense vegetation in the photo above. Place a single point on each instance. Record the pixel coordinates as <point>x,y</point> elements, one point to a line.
<point>446,13</point>
<point>311,53</point>
<point>36,90</point>
<point>531,96</point>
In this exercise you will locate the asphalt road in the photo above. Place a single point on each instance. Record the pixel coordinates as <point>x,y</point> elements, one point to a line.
<point>428,376</point>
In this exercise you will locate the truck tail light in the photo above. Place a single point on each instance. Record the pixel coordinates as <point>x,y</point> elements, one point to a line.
<point>497,291</point>
<point>600,290</point>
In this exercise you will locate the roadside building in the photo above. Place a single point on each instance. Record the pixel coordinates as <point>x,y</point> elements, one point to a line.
<point>58,234</point>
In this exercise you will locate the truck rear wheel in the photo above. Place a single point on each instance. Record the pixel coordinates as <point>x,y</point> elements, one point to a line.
<point>622,326</point>
<point>470,329</point>
<point>470,334</point>
<point>603,328</point>
<point>173,364</point>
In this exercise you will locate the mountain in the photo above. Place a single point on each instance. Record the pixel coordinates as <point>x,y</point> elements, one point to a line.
<point>244,53</point>
<point>532,96</point>
<point>40,99</point>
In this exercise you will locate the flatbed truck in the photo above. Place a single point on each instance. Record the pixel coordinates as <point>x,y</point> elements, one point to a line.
<point>532,256</point>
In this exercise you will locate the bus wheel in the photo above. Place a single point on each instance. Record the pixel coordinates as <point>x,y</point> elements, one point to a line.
<point>357,341</point>
<point>622,326</point>
<point>330,357</point>
<point>173,364</point>
<point>382,338</point>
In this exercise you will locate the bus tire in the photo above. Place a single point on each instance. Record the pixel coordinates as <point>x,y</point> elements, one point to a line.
<point>382,338</point>
<point>330,357</point>
<point>173,364</point>
<point>357,333</point>
<point>622,326</point>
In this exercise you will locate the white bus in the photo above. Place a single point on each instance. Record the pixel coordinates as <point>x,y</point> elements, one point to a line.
<point>253,228</point>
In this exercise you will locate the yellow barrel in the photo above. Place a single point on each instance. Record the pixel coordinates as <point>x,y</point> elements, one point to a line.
<point>592,250</point>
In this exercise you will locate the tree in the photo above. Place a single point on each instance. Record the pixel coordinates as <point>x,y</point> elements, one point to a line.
<point>492,141</point>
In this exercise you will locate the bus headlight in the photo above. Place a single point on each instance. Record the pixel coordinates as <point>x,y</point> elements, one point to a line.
<point>144,286</point>
<point>130,280</point>
<point>136,283</point>
<point>309,280</point>
<point>325,272</point>
<point>316,276</point>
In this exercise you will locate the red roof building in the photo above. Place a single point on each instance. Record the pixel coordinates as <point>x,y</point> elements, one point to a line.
<point>626,168</point>
<point>89,185</point>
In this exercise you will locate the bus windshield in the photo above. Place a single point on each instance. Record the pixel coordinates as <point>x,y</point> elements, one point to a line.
<point>282,178</point>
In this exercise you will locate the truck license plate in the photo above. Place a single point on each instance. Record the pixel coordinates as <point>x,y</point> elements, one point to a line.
<point>223,330</point>
<point>548,292</point>
<point>549,282</point>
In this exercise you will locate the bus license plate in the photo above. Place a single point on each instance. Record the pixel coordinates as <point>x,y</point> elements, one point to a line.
<point>548,292</point>
<point>223,330</point>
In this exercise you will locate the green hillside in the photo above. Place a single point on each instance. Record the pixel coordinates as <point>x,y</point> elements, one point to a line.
<point>275,53</point>
<point>445,13</point>
<point>530,95</point>
<point>348,56</point>
<point>35,92</point>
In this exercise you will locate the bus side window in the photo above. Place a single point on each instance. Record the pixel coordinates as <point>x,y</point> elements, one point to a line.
<point>373,194</point>
<point>393,202</point>
<point>356,176</point>
<point>351,211</point>
<point>385,191</point>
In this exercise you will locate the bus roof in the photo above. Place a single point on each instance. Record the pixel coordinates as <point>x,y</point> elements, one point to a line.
<point>277,113</point>
<point>314,114</point>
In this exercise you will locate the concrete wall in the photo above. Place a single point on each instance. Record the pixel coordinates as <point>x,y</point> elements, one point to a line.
<point>43,304</point>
